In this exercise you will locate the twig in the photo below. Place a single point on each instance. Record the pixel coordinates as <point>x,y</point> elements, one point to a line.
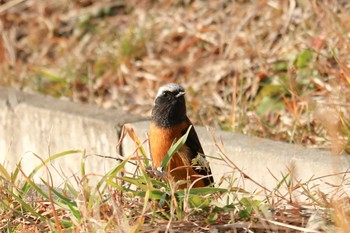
<point>10,4</point>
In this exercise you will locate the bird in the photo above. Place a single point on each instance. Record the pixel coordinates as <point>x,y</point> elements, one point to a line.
<point>169,122</point>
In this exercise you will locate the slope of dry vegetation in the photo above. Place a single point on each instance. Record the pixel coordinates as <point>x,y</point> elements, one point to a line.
<point>276,69</point>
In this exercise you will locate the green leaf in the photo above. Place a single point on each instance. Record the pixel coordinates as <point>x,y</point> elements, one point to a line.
<point>158,184</point>
<point>174,148</point>
<point>269,104</point>
<point>138,182</point>
<point>197,201</point>
<point>157,194</point>
<point>201,191</point>
<point>249,205</point>
<point>16,172</point>
<point>223,208</point>
<point>248,202</point>
<point>245,213</point>
<point>113,173</point>
<point>268,93</point>
<point>52,158</point>
<point>26,185</point>
<point>64,202</point>
<point>195,195</point>
<point>304,59</point>
<point>280,66</point>
<point>50,75</point>
<point>212,218</point>
<point>4,173</point>
<point>163,199</point>
<point>60,196</point>
<point>27,207</point>
<point>75,212</point>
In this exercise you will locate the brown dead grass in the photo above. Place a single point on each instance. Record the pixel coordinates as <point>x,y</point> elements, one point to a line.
<point>117,53</point>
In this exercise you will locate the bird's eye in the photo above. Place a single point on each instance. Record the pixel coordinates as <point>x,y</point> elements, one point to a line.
<point>166,93</point>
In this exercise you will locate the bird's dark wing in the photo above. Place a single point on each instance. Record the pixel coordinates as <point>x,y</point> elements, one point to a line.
<point>193,141</point>
<point>195,146</point>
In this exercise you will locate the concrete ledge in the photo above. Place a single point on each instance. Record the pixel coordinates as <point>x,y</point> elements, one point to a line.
<point>46,126</point>
<point>264,161</point>
<point>43,125</point>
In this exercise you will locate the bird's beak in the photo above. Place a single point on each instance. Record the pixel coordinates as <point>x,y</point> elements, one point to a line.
<point>181,93</point>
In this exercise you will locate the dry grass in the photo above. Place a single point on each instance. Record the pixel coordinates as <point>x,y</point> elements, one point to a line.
<point>141,201</point>
<point>276,69</point>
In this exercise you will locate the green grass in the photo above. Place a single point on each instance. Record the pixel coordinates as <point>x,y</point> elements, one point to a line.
<point>145,200</point>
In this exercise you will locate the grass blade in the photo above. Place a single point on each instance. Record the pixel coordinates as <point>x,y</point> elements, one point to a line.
<point>174,148</point>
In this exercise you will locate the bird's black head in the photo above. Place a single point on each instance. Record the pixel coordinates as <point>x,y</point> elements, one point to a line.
<point>169,106</point>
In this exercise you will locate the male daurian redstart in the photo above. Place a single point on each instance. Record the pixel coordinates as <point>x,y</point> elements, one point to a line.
<point>169,123</point>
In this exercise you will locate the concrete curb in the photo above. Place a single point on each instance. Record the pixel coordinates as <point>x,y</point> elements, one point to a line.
<point>264,161</point>
<point>32,123</point>
<point>47,126</point>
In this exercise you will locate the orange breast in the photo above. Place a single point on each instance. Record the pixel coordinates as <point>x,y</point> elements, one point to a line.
<point>180,165</point>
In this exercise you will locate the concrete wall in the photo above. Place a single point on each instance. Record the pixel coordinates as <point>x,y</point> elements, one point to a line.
<point>31,123</point>
<point>264,161</point>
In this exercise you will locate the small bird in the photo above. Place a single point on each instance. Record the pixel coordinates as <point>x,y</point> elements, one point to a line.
<point>169,122</point>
